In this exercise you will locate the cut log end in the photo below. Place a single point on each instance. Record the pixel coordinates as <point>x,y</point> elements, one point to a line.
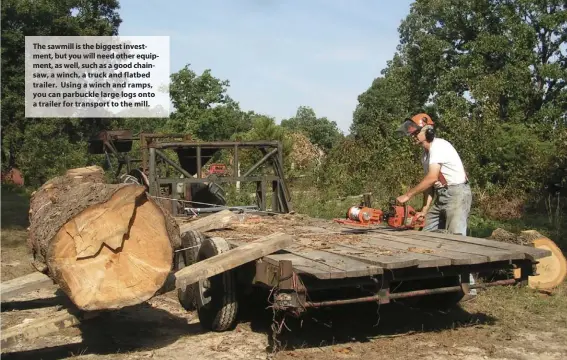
<point>106,245</point>
<point>121,257</point>
<point>552,270</point>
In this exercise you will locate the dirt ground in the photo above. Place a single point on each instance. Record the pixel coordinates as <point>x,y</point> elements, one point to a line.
<point>501,323</point>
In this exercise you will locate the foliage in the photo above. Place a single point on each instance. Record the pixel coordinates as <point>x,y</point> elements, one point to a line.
<point>43,147</point>
<point>203,107</point>
<point>264,128</point>
<point>320,131</point>
<point>491,73</point>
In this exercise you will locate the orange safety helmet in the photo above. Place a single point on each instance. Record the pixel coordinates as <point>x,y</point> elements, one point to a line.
<point>413,125</point>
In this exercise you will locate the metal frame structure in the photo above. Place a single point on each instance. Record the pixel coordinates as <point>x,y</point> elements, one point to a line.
<point>192,156</point>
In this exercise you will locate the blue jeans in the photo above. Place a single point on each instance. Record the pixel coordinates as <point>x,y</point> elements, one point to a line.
<point>450,210</point>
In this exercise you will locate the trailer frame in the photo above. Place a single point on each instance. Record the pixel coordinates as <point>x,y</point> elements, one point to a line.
<point>303,276</point>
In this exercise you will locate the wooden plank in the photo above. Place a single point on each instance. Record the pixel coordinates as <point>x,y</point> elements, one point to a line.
<point>434,249</point>
<point>334,267</point>
<point>312,229</point>
<point>372,254</point>
<point>43,326</point>
<point>231,259</point>
<point>303,265</point>
<point>344,267</point>
<point>23,284</point>
<point>215,221</point>
<point>400,257</point>
<point>493,253</point>
<point>529,252</point>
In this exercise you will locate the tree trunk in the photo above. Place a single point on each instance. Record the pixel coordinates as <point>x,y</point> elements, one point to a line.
<point>106,245</point>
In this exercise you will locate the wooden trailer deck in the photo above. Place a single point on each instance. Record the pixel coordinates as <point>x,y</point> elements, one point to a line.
<point>326,250</point>
<point>377,264</point>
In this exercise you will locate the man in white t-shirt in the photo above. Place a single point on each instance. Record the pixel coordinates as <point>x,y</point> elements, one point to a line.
<point>445,177</point>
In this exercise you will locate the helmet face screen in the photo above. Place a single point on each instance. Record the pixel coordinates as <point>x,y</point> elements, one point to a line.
<point>409,128</point>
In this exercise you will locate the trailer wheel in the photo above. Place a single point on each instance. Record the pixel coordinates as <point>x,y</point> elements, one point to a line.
<point>192,240</point>
<point>217,304</point>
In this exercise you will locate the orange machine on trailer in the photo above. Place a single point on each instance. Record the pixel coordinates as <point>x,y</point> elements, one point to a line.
<point>397,216</point>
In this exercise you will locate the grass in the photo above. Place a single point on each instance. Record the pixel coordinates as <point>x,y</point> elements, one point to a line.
<point>523,307</point>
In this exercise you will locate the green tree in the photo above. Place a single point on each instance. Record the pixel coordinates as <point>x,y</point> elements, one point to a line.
<point>320,131</point>
<point>507,56</point>
<point>203,107</point>
<point>62,140</point>
<point>490,72</point>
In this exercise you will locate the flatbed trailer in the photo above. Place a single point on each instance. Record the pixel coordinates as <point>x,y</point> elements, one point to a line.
<point>326,265</point>
<point>330,265</point>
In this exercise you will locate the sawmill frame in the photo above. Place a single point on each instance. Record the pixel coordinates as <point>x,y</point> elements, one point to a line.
<point>193,155</point>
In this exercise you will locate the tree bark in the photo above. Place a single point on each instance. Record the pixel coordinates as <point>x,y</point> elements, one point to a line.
<point>106,245</point>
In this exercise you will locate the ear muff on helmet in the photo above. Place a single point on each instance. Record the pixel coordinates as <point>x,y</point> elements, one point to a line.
<point>429,134</point>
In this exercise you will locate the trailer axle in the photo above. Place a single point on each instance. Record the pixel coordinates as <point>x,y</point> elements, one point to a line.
<point>406,294</point>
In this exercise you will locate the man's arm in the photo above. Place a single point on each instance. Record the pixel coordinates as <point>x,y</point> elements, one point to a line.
<point>425,184</point>
<point>427,198</point>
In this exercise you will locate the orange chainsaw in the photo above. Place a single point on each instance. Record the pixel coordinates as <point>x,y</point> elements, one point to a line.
<point>397,216</point>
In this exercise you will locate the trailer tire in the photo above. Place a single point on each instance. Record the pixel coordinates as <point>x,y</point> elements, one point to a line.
<point>217,303</point>
<point>191,239</point>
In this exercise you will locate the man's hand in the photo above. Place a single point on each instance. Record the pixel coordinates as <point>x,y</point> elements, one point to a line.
<point>420,214</point>
<point>402,199</point>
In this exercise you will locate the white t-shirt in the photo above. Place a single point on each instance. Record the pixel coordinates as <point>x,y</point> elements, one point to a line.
<point>442,152</point>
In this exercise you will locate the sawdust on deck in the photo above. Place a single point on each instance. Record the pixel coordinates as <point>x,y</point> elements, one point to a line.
<point>309,233</point>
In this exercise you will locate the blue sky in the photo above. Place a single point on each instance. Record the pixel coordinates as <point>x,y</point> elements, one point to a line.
<point>278,55</point>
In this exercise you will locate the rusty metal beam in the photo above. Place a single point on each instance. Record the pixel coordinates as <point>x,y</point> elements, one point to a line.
<point>406,294</point>
<point>221,179</point>
<point>199,163</point>
<point>260,162</point>
<point>172,163</point>
<point>154,188</point>
<point>215,144</point>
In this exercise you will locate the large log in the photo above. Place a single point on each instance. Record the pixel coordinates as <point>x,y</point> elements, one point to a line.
<point>551,270</point>
<point>106,245</point>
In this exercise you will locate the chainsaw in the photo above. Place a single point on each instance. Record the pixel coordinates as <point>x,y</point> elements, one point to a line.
<point>398,216</point>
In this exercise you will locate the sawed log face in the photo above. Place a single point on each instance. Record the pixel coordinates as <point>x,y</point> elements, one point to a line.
<point>106,245</point>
